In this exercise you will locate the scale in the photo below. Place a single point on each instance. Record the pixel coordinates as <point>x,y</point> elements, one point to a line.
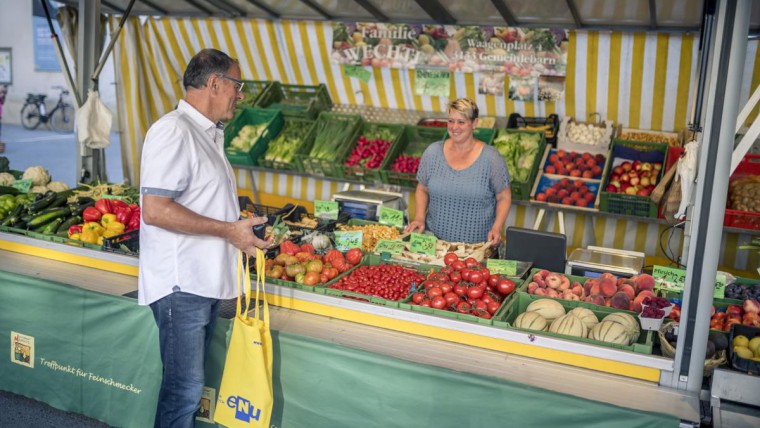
<point>365,204</point>
<point>594,261</point>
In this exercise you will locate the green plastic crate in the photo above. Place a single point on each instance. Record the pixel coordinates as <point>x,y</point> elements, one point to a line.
<point>485,135</point>
<point>305,101</point>
<point>404,304</point>
<point>633,205</point>
<point>520,302</point>
<point>330,167</point>
<point>307,142</point>
<point>367,175</point>
<point>521,190</point>
<point>252,116</point>
<point>50,238</point>
<point>252,91</point>
<point>414,142</point>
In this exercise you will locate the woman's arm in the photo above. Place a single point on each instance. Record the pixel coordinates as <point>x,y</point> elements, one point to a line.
<point>420,209</point>
<point>503,204</point>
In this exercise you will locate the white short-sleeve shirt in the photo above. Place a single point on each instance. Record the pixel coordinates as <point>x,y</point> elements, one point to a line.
<point>183,158</point>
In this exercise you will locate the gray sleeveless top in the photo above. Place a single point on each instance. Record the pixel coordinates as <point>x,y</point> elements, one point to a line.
<point>462,204</point>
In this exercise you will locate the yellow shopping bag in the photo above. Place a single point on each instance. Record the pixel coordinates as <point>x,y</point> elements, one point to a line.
<point>245,395</point>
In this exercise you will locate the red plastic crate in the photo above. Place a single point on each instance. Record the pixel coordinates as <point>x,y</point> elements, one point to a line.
<point>750,165</point>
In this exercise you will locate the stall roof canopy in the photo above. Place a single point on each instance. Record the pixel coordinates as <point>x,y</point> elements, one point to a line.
<point>619,15</point>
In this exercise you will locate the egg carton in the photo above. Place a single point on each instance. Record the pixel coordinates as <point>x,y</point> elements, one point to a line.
<point>571,132</point>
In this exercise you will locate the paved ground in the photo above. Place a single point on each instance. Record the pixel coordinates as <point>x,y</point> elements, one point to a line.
<point>54,151</point>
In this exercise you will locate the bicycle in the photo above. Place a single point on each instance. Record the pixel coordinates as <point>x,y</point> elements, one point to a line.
<point>34,112</point>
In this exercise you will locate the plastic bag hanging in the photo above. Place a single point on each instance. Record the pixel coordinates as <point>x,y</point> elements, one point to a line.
<point>94,122</point>
<point>687,172</point>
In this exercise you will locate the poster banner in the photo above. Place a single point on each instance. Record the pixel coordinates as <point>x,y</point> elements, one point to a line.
<point>514,51</point>
<point>433,83</point>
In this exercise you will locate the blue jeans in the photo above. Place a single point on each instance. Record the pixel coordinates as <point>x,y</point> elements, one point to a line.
<point>185,327</point>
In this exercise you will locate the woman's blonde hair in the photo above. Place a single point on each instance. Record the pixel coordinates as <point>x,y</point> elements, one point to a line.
<point>466,107</point>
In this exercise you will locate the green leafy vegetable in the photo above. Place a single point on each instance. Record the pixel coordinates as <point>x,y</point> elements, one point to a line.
<point>519,149</point>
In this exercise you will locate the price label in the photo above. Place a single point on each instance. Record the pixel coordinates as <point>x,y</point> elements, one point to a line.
<point>423,244</point>
<point>344,241</point>
<point>22,186</point>
<point>674,279</point>
<point>503,267</point>
<point>391,217</point>
<point>358,72</point>
<point>388,246</point>
<point>326,209</point>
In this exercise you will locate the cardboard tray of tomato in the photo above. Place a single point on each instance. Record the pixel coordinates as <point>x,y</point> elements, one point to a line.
<point>372,260</point>
<point>521,300</point>
<point>548,181</point>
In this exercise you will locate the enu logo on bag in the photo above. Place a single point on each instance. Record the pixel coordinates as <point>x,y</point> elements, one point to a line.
<point>244,410</point>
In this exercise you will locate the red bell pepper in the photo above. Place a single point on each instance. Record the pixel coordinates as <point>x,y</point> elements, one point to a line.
<point>134,222</point>
<point>77,228</point>
<point>92,214</point>
<point>133,206</point>
<point>104,206</point>
<point>115,204</point>
<point>123,214</point>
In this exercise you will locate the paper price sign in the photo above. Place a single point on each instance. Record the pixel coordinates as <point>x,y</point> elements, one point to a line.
<point>22,186</point>
<point>358,72</point>
<point>388,246</point>
<point>326,209</point>
<point>422,244</point>
<point>391,217</point>
<point>674,279</point>
<point>344,241</point>
<point>503,267</point>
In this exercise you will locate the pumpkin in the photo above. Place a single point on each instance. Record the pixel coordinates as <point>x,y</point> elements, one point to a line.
<point>531,321</point>
<point>547,308</point>
<point>610,332</point>
<point>628,321</point>
<point>569,325</point>
<point>586,315</point>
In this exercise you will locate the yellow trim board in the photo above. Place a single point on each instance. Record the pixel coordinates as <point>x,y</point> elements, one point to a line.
<point>75,259</point>
<point>563,357</point>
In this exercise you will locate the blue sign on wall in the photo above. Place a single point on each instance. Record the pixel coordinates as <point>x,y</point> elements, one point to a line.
<point>45,58</point>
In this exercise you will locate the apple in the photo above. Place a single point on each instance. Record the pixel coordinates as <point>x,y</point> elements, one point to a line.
<point>657,166</point>
<point>614,177</point>
<point>541,197</point>
<point>631,190</point>
<point>653,179</point>
<point>624,186</point>
<point>636,165</point>
<point>643,192</point>
<point>625,178</point>
<point>633,173</point>
<point>587,174</point>
<point>644,181</point>
<point>618,170</point>
<point>627,166</point>
<point>575,173</point>
<point>550,169</point>
<point>615,184</point>
<point>646,166</point>
<point>634,181</point>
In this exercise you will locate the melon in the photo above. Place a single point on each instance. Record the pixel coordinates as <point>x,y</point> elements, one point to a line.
<point>547,308</point>
<point>628,321</point>
<point>531,321</point>
<point>586,315</point>
<point>569,325</point>
<point>610,332</point>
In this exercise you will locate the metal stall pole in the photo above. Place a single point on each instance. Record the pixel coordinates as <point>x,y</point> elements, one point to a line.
<point>724,84</point>
<point>90,162</point>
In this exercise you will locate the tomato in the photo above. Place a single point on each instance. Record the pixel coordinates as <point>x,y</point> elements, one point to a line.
<point>323,278</point>
<point>418,297</point>
<point>475,292</point>
<point>505,286</point>
<point>480,305</point>
<point>471,263</point>
<point>451,298</point>
<point>458,265</point>
<point>354,256</point>
<point>425,302</point>
<point>447,270</point>
<point>446,287</point>
<point>463,307</point>
<point>493,307</point>
<point>487,298</point>
<point>311,278</point>
<point>450,258</point>
<point>493,280</point>
<point>307,248</point>
<point>466,274</point>
<point>476,276</point>
<point>330,272</point>
<point>486,273</point>
<point>438,302</point>
<point>434,292</point>
<point>460,290</point>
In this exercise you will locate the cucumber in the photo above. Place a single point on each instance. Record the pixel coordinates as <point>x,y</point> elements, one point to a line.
<point>79,209</point>
<point>66,224</point>
<point>42,203</point>
<point>59,201</point>
<point>8,190</point>
<point>43,218</point>
<point>52,226</point>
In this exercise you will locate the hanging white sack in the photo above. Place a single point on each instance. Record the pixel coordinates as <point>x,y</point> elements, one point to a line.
<point>687,171</point>
<point>94,122</point>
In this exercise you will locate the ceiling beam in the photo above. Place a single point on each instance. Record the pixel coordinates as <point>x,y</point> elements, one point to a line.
<point>505,12</point>
<point>369,7</point>
<point>228,7</point>
<point>113,6</point>
<point>317,8</point>
<point>436,11</point>
<point>155,7</point>
<point>200,7</point>
<point>574,11</point>
<point>265,8</point>
<point>652,15</point>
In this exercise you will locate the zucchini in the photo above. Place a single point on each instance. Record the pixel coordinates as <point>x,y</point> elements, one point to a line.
<point>66,224</point>
<point>52,226</point>
<point>8,190</point>
<point>79,209</point>
<point>42,203</point>
<point>59,201</point>
<point>13,217</point>
<point>85,200</point>
<point>43,218</point>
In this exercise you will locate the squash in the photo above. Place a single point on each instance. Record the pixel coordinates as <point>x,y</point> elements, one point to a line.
<point>531,321</point>
<point>628,321</point>
<point>569,325</point>
<point>547,308</point>
<point>586,315</point>
<point>610,332</point>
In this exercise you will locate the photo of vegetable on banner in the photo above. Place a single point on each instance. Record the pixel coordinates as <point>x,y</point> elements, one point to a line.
<point>514,51</point>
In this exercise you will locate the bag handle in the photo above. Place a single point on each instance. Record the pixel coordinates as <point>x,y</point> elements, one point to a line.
<point>260,281</point>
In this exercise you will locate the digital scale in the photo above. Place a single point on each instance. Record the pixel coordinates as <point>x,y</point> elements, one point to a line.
<point>365,204</point>
<point>594,261</point>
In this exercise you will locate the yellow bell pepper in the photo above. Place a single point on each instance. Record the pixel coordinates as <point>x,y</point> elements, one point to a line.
<point>115,226</point>
<point>110,233</point>
<point>94,227</point>
<point>89,235</point>
<point>106,219</point>
<point>99,241</point>
<point>75,236</point>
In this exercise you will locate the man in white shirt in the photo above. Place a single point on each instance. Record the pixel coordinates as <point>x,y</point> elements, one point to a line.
<point>190,231</point>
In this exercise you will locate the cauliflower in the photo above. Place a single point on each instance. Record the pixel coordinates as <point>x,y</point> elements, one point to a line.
<point>38,175</point>
<point>6,179</point>
<point>38,189</point>
<point>57,186</point>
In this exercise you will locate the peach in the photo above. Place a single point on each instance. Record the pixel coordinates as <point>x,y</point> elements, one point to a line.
<point>620,282</point>
<point>573,297</point>
<point>596,299</point>
<point>608,287</point>
<point>532,288</point>
<point>607,275</point>
<point>578,290</point>
<point>640,298</point>
<point>544,273</point>
<point>628,290</point>
<point>590,283</point>
<point>552,293</point>
<point>751,306</point>
<point>645,282</point>
<point>537,276</point>
<point>567,295</point>
<point>540,292</point>
<point>553,280</point>
<point>620,301</point>
<point>564,284</point>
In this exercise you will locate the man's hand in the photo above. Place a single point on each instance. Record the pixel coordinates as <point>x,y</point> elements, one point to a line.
<point>242,237</point>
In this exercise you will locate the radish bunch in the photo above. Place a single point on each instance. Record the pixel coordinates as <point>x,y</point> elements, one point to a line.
<point>368,153</point>
<point>407,164</point>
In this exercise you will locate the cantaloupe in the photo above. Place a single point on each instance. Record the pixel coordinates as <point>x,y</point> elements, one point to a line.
<point>610,332</point>
<point>547,308</point>
<point>628,321</point>
<point>586,315</point>
<point>569,325</point>
<point>531,321</point>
